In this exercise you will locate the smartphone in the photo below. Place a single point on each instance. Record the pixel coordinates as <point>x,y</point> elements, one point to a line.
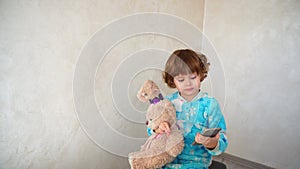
<point>211,132</point>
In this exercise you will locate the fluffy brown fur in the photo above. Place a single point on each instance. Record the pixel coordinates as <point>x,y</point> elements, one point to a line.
<point>159,149</point>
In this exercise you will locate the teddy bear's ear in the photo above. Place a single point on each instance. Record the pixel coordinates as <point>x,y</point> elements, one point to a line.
<point>171,111</point>
<point>154,88</point>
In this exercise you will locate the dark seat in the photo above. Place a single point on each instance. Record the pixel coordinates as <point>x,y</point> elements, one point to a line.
<point>217,165</point>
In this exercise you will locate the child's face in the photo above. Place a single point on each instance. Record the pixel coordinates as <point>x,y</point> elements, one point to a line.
<point>188,85</point>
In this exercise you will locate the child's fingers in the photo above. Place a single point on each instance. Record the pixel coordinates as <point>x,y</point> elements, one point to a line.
<point>212,141</point>
<point>164,126</point>
<point>197,139</point>
<point>217,136</point>
<point>167,127</point>
<point>200,139</point>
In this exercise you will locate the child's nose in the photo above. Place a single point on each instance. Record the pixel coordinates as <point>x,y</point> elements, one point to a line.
<point>188,82</point>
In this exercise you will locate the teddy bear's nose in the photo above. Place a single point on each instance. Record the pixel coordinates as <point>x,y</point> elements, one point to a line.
<point>147,122</point>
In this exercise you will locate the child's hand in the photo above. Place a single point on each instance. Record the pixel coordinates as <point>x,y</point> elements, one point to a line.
<point>208,142</point>
<point>164,127</point>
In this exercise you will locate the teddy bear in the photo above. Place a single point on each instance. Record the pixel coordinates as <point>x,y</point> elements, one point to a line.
<point>159,149</point>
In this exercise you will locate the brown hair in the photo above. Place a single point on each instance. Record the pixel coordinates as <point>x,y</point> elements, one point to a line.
<point>185,61</point>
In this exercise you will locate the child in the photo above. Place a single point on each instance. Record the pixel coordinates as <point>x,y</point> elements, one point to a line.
<point>195,110</point>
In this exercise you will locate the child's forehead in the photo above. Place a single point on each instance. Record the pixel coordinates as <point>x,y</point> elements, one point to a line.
<point>186,74</point>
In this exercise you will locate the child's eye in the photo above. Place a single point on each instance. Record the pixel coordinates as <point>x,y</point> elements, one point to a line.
<point>193,77</point>
<point>180,80</point>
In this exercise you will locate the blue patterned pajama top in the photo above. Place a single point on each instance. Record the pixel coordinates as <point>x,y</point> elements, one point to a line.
<point>193,117</point>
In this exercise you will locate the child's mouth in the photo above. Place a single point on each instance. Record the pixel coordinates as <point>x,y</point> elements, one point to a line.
<point>189,89</point>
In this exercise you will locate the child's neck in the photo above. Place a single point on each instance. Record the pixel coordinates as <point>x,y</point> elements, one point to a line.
<point>189,98</point>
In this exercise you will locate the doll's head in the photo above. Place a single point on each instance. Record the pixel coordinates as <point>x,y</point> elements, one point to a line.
<point>185,61</point>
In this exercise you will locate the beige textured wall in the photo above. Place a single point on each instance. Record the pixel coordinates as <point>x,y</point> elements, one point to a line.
<point>258,45</point>
<point>40,43</point>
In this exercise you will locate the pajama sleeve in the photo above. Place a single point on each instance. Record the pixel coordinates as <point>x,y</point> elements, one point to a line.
<point>216,120</point>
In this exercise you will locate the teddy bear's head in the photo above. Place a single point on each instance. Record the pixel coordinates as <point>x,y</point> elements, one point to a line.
<point>160,110</point>
<point>148,91</point>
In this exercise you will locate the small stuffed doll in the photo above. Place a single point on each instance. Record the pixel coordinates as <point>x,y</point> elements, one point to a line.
<point>159,149</point>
